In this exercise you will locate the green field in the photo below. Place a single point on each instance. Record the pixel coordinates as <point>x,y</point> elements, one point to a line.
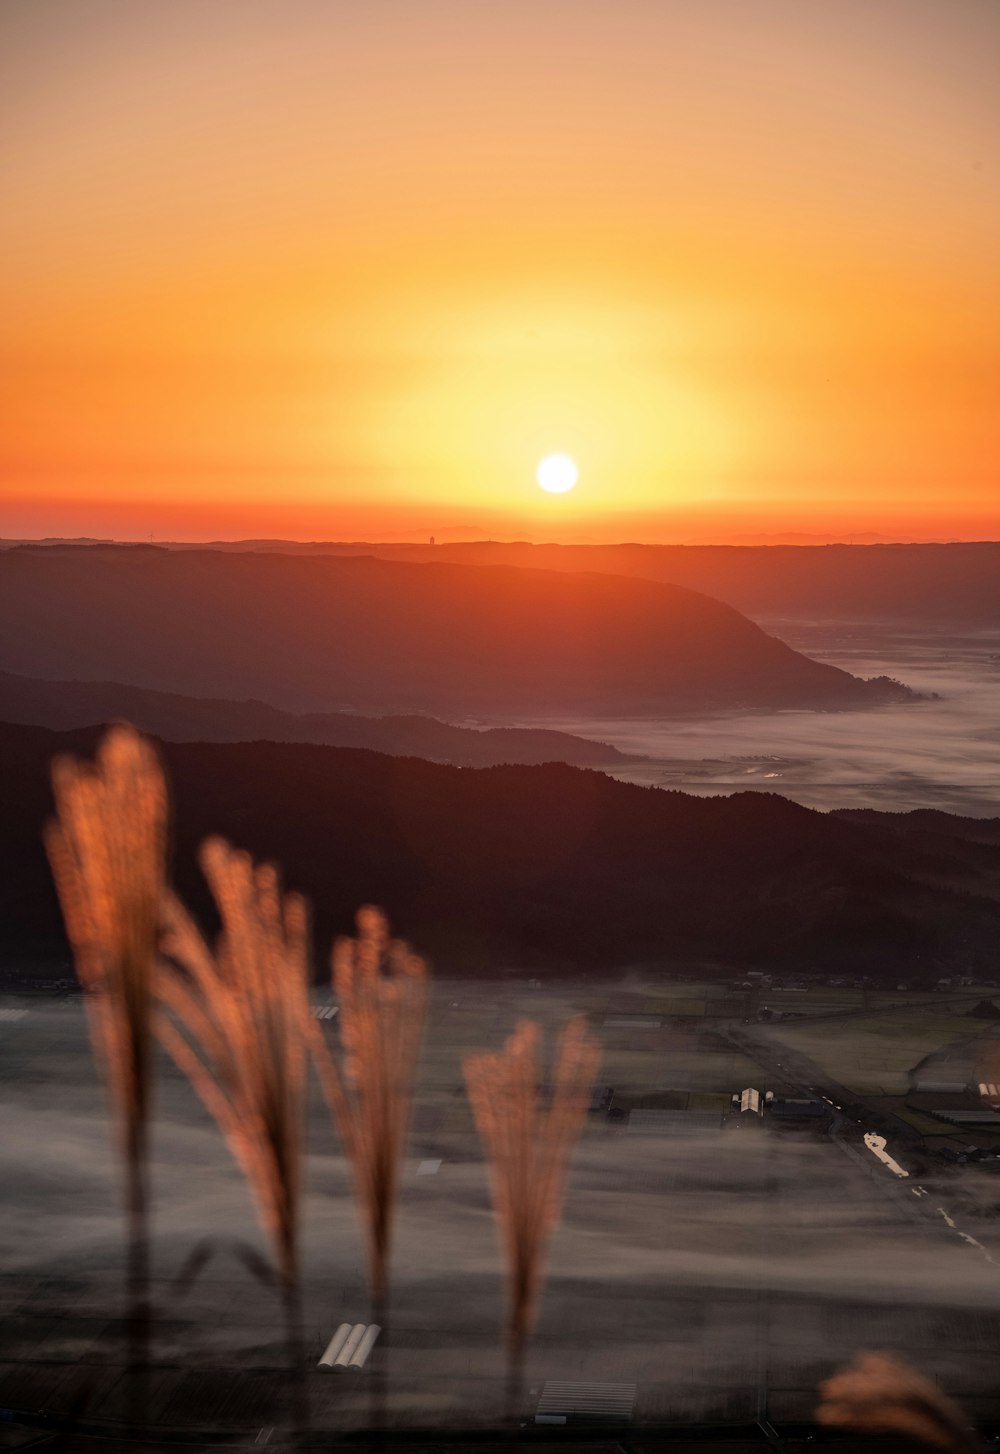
<point>926,1125</point>
<point>873,1054</point>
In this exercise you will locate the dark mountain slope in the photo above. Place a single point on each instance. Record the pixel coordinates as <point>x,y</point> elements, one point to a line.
<point>326,632</point>
<point>548,866</point>
<point>918,822</point>
<point>950,847</point>
<point>65,705</point>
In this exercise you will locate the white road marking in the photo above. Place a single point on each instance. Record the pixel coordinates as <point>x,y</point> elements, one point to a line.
<point>966,1238</point>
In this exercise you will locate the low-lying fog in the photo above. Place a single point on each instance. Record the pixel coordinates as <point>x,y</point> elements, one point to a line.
<point>707,1266</point>
<point>936,754</point>
<point>697,1267</point>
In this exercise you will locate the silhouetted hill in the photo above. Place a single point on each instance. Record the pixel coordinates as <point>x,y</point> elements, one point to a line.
<point>326,632</point>
<point>544,867</point>
<point>938,837</point>
<point>64,705</point>
<point>953,583</point>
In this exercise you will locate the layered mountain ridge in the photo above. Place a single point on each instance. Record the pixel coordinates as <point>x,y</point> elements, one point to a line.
<point>65,705</point>
<point>932,585</point>
<point>328,633</point>
<point>549,868</point>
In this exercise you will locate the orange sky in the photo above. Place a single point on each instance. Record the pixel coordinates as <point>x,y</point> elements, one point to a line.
<point>312,268</point>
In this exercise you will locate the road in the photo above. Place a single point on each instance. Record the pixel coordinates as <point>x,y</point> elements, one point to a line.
<point>789,1072</point>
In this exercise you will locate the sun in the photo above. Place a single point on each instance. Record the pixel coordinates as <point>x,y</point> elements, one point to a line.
<point>557,473</point>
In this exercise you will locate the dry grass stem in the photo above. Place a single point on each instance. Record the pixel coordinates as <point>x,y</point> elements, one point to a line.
<point>529,1147</point>
<point>107,848</point>
<point>381,988</point>
<point>240,1028</point>
<point>881,1394</point>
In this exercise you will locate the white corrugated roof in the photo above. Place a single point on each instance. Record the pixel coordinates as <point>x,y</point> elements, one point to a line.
<point>604,1402</point>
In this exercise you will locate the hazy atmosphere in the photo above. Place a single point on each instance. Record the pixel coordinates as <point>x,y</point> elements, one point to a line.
<point>499,726</point>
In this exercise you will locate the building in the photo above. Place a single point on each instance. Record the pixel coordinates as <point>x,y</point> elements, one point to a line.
<point>653,1122</point>
<point>798,1109</point>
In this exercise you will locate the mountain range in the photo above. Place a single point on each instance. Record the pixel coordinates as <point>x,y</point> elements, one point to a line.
<point>931,585</point>
<point>62,705</point>
<point>324,633</point>
<point>550,869</point>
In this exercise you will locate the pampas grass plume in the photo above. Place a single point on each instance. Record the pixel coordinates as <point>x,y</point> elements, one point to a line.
<point>529,1148</point>
<point>381,988</point>
<point>107,848</point>
<point>881,1394</point>
<point>239,1028</point>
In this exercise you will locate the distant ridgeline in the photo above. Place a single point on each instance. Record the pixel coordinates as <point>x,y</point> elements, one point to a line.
<point>322,633</point>
<point>177,718</point>
<point>546,869</point>
<point>932,585</point>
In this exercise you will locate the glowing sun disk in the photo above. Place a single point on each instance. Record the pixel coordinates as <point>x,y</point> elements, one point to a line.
<point>557,473</point>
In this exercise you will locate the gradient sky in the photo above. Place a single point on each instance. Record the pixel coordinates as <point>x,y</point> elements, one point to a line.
<point>300,267</point>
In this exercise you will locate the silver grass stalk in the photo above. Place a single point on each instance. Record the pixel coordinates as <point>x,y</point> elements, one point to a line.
<point>240,1012</point>
<point>239,1029</point>
<point>381,989</point>
<point>107,848</point>
<point>528,1147</point>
